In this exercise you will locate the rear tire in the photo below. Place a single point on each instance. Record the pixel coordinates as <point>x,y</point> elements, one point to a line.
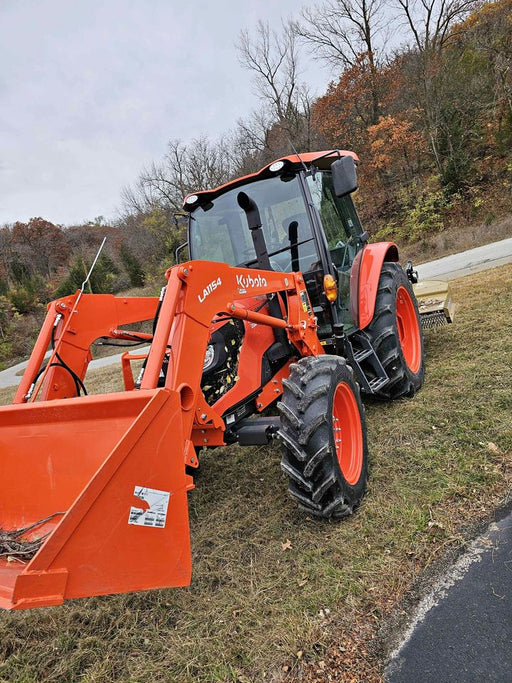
<point>395,333</point>
<point>323,433</point>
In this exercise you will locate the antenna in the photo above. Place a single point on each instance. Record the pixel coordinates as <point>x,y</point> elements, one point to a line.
<point>82,288</point>
<point>300,158</point>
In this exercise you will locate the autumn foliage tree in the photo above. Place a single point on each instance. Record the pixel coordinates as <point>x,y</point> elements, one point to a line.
<point>39,248</point>
<point>397,148</point>
<point>344,114</point>
<point>444,108</point>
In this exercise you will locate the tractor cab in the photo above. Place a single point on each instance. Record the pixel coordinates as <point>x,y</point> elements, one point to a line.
<point>305,224</point>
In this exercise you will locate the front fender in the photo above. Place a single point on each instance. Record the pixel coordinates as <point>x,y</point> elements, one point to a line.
<point>364,280</point>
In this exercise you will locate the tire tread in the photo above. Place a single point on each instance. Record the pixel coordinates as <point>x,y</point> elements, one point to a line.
<point>309,460</point>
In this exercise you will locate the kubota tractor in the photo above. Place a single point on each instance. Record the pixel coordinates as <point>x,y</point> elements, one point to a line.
<point>283,315</point>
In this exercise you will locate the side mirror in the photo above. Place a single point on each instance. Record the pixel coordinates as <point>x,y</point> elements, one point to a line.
<point>344,176</point>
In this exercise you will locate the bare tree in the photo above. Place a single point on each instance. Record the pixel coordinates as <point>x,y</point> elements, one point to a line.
<point>431,24</point>
<point>273,59</point>
<point>339,31</point>
<point>39,245</point>
<point>345,33</point>
<point>252,132</point>
<point>197,166</point>
<point>491,35</point>
<point>5,253</point>
<point>430,21</point>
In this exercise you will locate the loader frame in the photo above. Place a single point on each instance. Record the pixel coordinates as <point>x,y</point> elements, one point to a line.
<point>123,444</point>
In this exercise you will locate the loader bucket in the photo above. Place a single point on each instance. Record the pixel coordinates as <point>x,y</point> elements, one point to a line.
<point>434,302</point>
<point>108,471</point>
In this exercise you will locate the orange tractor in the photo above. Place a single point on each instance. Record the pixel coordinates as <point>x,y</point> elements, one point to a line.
<point>284,315</point>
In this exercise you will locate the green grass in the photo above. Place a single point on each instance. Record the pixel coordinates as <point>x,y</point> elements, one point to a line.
<point>440,462</point>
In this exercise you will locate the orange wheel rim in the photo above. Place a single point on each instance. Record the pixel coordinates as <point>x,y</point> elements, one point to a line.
<point>408,329</point>
<point>348,433</point>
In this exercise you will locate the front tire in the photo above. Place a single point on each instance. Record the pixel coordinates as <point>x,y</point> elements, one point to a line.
<point>323,433</point>
<point>395,334</point>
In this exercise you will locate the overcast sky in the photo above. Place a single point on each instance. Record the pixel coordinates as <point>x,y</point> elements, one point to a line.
<point>91,91</point>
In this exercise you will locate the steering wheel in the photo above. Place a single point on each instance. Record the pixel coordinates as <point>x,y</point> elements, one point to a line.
<point>278,267</point>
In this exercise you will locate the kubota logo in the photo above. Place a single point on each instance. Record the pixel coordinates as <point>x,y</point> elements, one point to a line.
<point>246,282</point>
<point>209,289</point>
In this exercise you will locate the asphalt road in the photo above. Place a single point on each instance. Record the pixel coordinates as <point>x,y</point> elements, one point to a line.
<point>468,262</point>
<point>462,631</point>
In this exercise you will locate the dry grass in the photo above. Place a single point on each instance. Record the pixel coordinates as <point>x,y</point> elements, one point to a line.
<point>6,395</point>
<point>256,611</point>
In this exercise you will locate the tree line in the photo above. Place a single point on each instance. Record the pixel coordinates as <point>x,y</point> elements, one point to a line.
<point>421,90</point>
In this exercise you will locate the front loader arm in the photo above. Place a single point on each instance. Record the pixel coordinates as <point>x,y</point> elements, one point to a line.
<point>72,324</point>
<point>196,292</point>
<point>100,481</point>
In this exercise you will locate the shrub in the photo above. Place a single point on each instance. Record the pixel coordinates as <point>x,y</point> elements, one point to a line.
<point>24,299</point>
<point>132,267</point>
<point>104,278</point>
<point>421,211</point>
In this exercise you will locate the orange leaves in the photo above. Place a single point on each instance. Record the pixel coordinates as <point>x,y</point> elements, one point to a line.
<point>395,143</point>
<point>287,545</point>
<point>348,107</point>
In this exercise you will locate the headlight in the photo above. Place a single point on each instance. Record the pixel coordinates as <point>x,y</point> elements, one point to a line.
<point>276,166</point>
<point>209,356</point>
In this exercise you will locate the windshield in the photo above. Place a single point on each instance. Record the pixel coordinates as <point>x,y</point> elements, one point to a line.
<point>219,230</point>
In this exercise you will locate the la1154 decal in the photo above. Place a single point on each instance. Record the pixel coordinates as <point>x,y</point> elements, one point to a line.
<point>212,286</point>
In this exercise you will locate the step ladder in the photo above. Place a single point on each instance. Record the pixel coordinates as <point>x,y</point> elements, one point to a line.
<point>361,355</point>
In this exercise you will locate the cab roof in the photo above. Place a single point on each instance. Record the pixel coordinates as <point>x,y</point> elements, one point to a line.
<point>322,160</point>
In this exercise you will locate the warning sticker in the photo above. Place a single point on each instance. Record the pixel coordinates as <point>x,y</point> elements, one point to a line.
<point>153,507</point>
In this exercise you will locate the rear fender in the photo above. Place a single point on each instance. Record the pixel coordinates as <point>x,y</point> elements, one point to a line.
<point>364,280</point>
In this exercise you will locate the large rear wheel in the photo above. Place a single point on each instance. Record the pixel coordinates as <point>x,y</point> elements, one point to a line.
<point>324,437</point>
<point>395,333</point>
